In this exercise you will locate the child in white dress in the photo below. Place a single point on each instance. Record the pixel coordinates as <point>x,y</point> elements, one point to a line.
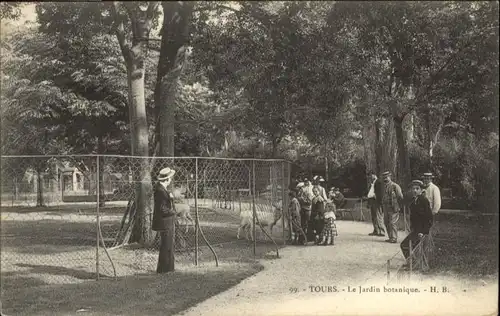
<point>330,229</point>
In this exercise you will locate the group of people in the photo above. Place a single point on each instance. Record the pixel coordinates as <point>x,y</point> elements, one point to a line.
<point>312,212</point>
<point>386,200</point>
<point>313,217</point>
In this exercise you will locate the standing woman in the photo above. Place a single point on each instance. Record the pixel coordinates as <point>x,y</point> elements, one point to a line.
<point>305,199</point>
<point>317,214</point>
<point>164,220</point>
<point>294,209</point>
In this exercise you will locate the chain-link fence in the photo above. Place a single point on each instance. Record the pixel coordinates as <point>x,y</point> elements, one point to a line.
<point>66,219</point>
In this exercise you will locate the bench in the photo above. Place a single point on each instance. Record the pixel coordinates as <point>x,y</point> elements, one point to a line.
<point>344,212</point>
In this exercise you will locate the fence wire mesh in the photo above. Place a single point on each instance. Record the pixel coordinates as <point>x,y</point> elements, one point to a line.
<point>66,219</point>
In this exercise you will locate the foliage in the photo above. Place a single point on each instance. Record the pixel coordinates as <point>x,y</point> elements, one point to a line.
<point>265,65</point>
<point>272,79</point>
<point>85,82</point>
<point>10,10</point>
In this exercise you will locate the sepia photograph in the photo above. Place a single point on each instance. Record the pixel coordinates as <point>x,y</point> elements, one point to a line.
<point>255,158</point>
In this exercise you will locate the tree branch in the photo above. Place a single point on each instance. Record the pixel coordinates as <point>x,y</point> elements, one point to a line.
<point>120,31</point>
<point>433,77</point>
<point>436,135</point>
<point>150,14</point>
<point>265,25</point>
<point>132,16</point>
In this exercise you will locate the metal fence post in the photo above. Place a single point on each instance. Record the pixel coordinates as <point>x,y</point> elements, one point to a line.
<point>253,212</point>
<point>411,260</point>
<point>197,221</point>
<point>98,220</point>
<point>388,271</point>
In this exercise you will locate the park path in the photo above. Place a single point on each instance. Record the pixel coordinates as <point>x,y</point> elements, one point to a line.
<point>356,260</point>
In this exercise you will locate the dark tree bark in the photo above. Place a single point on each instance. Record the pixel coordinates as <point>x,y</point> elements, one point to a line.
<point>385,149</point>
<point>134,48</point>
<point>100,150</point>
<point>39,190</point>
<point>327,178</point>
<point>275,143</point>
<point>173,53</point>
<point>404,173</point>
<point>369,133</point>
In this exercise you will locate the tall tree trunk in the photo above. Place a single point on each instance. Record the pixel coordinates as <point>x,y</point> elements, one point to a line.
<point>428,136</point>
<point>134,47</point>
<point>173,52</point>
<point>432,137</point>
<point>39,191</point>
<point>327,178</point>
<point>385,149</point>
<point>54,182</point>
<point>378,148</point>
<point>369,133</point>
<point>100,150</point>
<point>403,156</point>
<point>275,144</point>
<point>140,147</point>
<point>16,188</point>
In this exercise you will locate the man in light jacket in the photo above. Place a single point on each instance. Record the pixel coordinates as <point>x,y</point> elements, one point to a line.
<point>318,183</point>
<point>375,202</point>
<point>432,193</point>
<point>392,200</point>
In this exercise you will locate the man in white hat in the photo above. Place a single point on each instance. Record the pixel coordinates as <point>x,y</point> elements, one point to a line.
<point>164,220</point>
<point>318,183</point>
<point>432,192</point>
<point>392,200</point>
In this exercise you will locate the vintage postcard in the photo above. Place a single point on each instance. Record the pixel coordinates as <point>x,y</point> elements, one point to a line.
<point>249,158</point>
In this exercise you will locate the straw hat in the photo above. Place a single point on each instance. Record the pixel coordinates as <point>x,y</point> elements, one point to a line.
<point>165,173</point>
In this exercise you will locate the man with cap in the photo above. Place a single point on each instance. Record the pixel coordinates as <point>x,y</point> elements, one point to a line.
<point>164,220</point>
<point>432,192</point>
<point>392,199</point>
<point>420,218</point>
<point>375,202</point>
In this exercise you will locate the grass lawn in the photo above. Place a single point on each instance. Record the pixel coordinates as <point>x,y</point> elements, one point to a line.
<point>466,247</point>
<point>138,295</point>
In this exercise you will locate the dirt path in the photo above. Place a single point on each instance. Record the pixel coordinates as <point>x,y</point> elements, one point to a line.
<point>356,260</point>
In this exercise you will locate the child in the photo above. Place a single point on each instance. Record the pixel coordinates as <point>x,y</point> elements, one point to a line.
<point>294,209</point>
<point>330,229</point>
<point>420,219</point>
